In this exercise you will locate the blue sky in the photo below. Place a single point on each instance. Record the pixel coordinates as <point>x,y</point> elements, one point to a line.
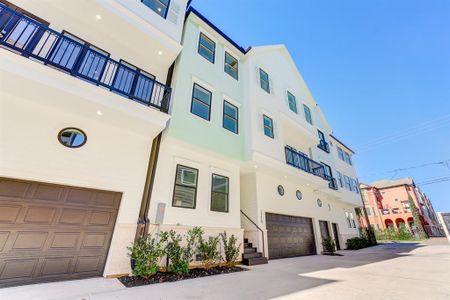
<point>380,70</point>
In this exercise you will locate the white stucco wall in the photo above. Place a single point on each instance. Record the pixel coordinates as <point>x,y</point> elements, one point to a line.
<point>36,102</point>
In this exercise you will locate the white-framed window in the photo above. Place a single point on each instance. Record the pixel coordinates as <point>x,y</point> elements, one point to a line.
<point>230,117</point>
<point>292,102</point>
<point>268,126</point>
<point>340,179</point>
<point>220,190</point>
<point>348,159</point>
<point>340,153</point>
<point>348,185</point>
<point>206,47</point>
<point>264,80</point>
<point>201,102</point>
<point>308,116</point>
<point>158,6</point>
<point>185,188</point>
<point>231,66</point>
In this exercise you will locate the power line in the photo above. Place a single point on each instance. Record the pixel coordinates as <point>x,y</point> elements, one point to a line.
<point>445,163</point>
<point>433,181</point>
<point>411,131</point>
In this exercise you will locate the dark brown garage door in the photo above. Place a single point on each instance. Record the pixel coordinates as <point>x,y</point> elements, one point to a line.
<point>53,232</point>
<point>289,236</point>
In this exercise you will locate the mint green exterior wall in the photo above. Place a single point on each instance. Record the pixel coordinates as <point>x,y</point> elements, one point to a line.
<point>191,66</point>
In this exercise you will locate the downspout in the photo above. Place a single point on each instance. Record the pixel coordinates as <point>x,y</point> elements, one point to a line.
<point>143,222</point>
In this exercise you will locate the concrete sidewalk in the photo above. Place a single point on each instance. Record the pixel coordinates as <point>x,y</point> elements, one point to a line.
<point>388,271</point>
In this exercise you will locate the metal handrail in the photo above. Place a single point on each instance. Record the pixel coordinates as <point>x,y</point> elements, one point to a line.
<point>302,162</point>
<point>262,232</point>
<point>36,41</point>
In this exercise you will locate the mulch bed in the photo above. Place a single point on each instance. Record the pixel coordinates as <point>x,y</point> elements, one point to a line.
<point>131,281</point>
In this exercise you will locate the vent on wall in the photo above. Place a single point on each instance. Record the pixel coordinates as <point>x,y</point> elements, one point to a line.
<point>174,12</point>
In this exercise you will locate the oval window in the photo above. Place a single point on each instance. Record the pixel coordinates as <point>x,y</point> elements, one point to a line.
<point>280,190</point>
<point>319,202</point>
<point>72,137</point>
<point>299,195</point>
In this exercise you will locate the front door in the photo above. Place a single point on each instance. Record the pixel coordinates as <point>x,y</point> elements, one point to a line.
<point>336,236</point>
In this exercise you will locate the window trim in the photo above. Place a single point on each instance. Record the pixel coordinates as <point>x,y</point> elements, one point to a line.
<point>306,107</point>
<point>192,101</point>
<point>231,117</point>
<point>175,185</point>
<point>225,65</point>
<point>272,127</point>
<point>199,44</point>
<point>167,8</point>
<point>268,81</point>
<point>228,194</point>
<point>295,103</point>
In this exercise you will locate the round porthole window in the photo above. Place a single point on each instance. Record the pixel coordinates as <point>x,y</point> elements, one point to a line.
<point>319,202</point>
<point>299,195</point>
<point>280,190</point>
<point>72,137</point>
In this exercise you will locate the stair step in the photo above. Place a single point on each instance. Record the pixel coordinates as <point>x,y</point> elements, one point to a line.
<point>248,245</point>
<point>250,250</point>
<point>245,240</point>
<point>255,261</point>
<point>251,255</point>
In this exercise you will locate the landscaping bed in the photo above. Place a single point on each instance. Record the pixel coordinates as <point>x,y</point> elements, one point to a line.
<point>159,277</point>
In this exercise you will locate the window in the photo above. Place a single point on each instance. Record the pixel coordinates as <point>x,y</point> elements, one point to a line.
<point>230,117</point>
<point>72,137</point>
<point>158,6</point>
<point>348,159</point>
<point>355,186</point>
<point>201,102</point>
<point>307,114</point>
<point>341,182</point>
<point>349,222</point>
<point>340,153</point>
<point>219,193</point>
<point>206,47</point>
<point>327,170</point>
<point>292,102</point>
<point>231,65</point>
<point>268,126</point>
<point>353,220</point>
<point>185,190</point>
<point>323,143</point>
<point>347,183</point>
<point>368,211</point>
<point>264,80</point>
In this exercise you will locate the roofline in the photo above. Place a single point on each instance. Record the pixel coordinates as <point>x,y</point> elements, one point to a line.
<point>190,10</point>
<point>348,148</point>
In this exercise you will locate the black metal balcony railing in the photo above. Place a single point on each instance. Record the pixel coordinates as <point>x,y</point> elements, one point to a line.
<point>333,183</point>
<point>38,42</point>
<point>302,162</point>
<point>324,146</point>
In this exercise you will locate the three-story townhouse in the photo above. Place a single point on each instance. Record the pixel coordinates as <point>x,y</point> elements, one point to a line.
<point>83,94</point>
<point>288,182</point>
<point>197,179</point>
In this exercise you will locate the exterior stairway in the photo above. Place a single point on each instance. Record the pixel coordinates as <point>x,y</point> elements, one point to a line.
<point>250,257</point>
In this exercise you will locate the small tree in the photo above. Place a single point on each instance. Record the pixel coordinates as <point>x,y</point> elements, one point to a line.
<point>179,257</point>
<point>417,223</point>
<point>329,245</point>
<point>146,254</point>
<point>208,250</point>
<point>231,250</point>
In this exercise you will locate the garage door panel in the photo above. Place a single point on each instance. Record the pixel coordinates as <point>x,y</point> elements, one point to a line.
<point>39,214</point>
<point>289,236</point>
<point>52,232</point>
<point>9,213</point>
<point>13,188</point>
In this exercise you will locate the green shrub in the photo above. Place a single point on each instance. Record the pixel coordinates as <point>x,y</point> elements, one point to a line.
<point>357,243</point>
<point>329,245</point>
<point>180,256</point>
<point>403,234</point>
<point>208,250</point>
<point>230,248</point>
<point>146,254</point>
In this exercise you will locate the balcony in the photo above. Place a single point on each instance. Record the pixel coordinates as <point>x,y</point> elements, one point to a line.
<point>332,183</point>
<point>38,42</point>
<point>302,162</point>
<point>324,146</point>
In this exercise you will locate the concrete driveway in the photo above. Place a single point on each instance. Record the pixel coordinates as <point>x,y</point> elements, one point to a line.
<point>389,271</point>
